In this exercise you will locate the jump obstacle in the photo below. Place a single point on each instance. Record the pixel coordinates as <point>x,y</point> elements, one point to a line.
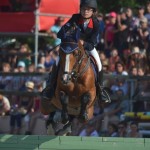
<point>37,142</point>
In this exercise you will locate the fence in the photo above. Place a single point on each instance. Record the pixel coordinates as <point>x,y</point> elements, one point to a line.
<point>135,91</point>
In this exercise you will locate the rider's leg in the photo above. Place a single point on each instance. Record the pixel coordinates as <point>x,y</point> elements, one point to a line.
<point>99,84</point>
<point>49,91</point>
<point>95,54</point>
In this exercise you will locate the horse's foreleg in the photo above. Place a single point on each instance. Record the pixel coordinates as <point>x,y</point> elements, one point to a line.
<point>64,99</point>
<point>85,98</point>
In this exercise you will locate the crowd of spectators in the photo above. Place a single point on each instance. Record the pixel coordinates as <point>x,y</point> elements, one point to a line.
<point>124,49</point>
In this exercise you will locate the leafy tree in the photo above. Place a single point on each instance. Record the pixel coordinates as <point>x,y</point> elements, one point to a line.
<point>106,6</point>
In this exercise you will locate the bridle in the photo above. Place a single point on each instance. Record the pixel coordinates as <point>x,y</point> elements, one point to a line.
<point>74,74</point>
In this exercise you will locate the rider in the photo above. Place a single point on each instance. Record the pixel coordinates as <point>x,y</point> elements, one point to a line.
<point>89,27</point>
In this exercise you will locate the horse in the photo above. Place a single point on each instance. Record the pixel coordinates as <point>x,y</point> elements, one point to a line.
<point>75,92</point>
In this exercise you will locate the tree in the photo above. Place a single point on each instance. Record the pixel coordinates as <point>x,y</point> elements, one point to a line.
<point>106,6</point>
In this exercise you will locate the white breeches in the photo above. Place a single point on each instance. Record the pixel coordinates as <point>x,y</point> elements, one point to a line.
<point>95,54</point>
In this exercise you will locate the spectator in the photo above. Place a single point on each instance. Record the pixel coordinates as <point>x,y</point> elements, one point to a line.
<point>6,81</point>
<point>15,118</point>
<point>125,58</point>
<point>20,107</point>
<point>31,109</point>
<point>25,54</point>
<point>105,67</point>
<point>50,60</point>
<point>133,24</point>
<point>120,69</point>
<point>136,59</point>
<point>12,58</point>
<point>34,115</point>
<point>59,22</point>
<point>26,103</point>
<point>120,84</point>
<point>121,32</point>
<point>142,34</point>
<point>103,57</point>
<point>147,14</point>
<point>134,133</point>
<point>140,13</point>
<point>140,71</point>
<point>122,129</point>
<point>142,87</point>
<point>109,33</point>
<point>77,127</point>
<point>31,69</point>
<point>100,45</point>
<point>18,82</point>
<point>89,130</point>
<point>114,57</point>
<point>39,81</point>
<point>133,71</point>
<point>112,130</point>
<point>4,105</point>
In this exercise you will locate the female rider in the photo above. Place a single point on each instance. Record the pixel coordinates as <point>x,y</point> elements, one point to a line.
<point>89,29</point>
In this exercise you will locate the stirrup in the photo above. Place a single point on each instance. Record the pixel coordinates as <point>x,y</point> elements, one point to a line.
<point>104,95</point>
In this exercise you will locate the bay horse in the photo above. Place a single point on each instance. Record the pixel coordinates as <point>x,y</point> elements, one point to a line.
<point>75,92</point>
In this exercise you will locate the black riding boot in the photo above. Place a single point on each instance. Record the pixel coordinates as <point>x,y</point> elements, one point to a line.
<point>49,91</point>
<point>101,92</point>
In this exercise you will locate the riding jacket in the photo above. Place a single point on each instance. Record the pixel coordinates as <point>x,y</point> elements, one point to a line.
<point>89,34</point>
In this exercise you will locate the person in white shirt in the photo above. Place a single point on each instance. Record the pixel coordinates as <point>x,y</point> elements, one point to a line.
<point>4,105</point>
<point>89,130</point>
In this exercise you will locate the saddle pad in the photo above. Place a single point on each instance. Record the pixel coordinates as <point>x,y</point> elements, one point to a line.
<point>68,47</point>
<point>94,67</point>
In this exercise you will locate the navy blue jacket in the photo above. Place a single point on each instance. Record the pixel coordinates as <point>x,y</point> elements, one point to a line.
<point>89,35</point>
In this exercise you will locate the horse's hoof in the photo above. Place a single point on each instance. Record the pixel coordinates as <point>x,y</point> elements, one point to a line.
<point>83,118</point>
<point>65,131</point>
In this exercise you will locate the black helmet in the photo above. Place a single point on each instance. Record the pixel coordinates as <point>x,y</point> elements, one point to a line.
<point>89,3</point>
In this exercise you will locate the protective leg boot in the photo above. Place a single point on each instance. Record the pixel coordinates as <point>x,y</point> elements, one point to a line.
<point>49,91</point>
<point>100,90</point>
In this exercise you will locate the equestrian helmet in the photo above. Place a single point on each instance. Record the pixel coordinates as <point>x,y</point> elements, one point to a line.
<point>89,3</point>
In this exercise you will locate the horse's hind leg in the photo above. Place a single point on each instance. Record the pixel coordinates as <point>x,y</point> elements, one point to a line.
<point>85,98</point>
<point>64,99</point>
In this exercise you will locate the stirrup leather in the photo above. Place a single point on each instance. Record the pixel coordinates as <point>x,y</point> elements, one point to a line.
<point>103,94</point>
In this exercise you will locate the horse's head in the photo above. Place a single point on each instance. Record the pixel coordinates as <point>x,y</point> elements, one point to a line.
<point>71,56</point>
